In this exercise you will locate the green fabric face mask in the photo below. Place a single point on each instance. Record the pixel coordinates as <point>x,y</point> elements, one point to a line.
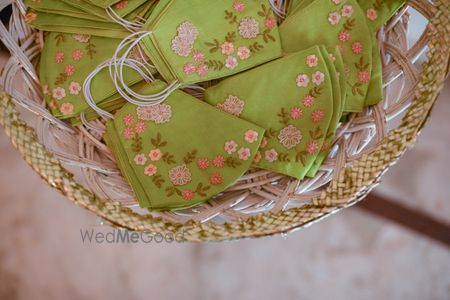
<point>106,3</point>
<point>294,99</point>
<point>60,8</point>
<point>181,152</point>
<point>194,41</point>
<point>66,61</point>
<point>342,25</point>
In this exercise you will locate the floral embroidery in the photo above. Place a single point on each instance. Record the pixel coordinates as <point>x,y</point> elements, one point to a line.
<point>219,161</point>
<point>296,113</point>
<point>244,153</point>
<point>187,195</point>
<point>215,179</point>
<point>312,60</point>
<point>82,38</point>
<point>180,175</point>
<point>155,154</point>
<point>318,78</point>
<point>77,54</point>
<point>372,14</point>
<point>128,133</point>
<point>271,155</point>
<point>183,43</point>
<point>249,28</point>
<point>364,76</point>
<point>337,2</point>
<point>30,17</point>
<point>74,88</point>
<point>59,57</point>
<point>347,11</point>
<point>198,56</point>
<point>312,148</point>
<point>230,147</point>
<point>69,70</point>
<point>308,100</point>
<point>140,126</point>
<point>302,80</point>
<point>317,116</point>
<point>270,22</point>
<point>290,137</point>
<point>227,48</point>
<point>59,93</point>
<point>128,119</point>
<point>257,157</point>
<point>344,36</point>
<point>122,4</point>
<point>66,109</point>
<point>202,70</point>
<point>203,163</point>
<point>251,136</point>
<point>243,53</point>
<point>189,69</point>
<point>357,48</point>
<point>140,159</point>
<point>238,6</point>
<point>150,170</point>
<point>334,18</point>
<point>160,113</point>
<point>232,105</point>
<point>264,143</point>
<point>231,62</point>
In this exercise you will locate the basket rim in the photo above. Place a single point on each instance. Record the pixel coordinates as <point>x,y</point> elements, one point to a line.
<point>352,185</point>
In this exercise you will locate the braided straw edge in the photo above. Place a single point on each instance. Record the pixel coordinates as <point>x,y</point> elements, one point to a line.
<point>352,185</point>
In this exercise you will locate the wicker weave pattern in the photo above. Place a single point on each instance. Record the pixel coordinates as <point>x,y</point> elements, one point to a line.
<point>360,166</point>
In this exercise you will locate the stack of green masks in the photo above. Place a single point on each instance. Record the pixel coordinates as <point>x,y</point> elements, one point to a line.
<point>182,152</point>
<point>297,99</point>
<point>66,61</point>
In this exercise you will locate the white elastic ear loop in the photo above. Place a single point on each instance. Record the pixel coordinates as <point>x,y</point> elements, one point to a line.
<point>117,75</point>
<point>276,8</point>
<point>87,85</point>
<point>130,26</point>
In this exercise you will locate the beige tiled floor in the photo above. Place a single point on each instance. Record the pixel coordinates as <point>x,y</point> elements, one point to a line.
<point>351,255</point>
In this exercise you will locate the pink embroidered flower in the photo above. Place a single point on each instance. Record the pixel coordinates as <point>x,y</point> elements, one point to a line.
<point>30,17</point>
<point>140,126</point>
<point>187,195</point>
<point>52,104</point>
<point>372,14</point>
<point>344,36</point>
<point>198,56</point>
<point>227,48</point>
<point>230,147</point>
<point>334,18</point>
<point>312,60</point>
<point>308,100</point>
<point>69,70</point>
<point>302,80</point>
<point>77,54</point>
<point>215,179</point>
<point>257,157</point>
<point>251,136</point>
<point>337,1</point>
<point>270,22</point>
<point>271,155</point>
<point>122,4</point>
<point>66,109</point>
<point>82,38</point>
<point>317,115</point>
<point>202,70</point>
<point>128,133</point>
<point>128,119</point>
<point>182,46</point>
<point>290,137</point>
<point>232,105</point>
<point>296,113</point>
<point>243,53</point>
<point>160,113</point>
<point>189,69</point>
<point>341,49</point>
<point>180,175</point>
<point>231,62</point>
<point>312,148</point>
<point>357,47</point>
<point>364,77</point>
<point>150,170</point>
<point>248,28</point>
<point>347,11</point>
<point>318,77</point>
<point>203,163</point>
<point>219,161</point>
<point>140,159</point>
<point>238,6</point>
<point>244,153</point>
<point>59,57</point>
<point>264,143</point>
<point>59,93</point>
<point>155,155</point>
<point>188,31</point>
<point>74,88</point>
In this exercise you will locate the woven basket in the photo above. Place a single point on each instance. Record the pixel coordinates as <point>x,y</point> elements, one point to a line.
<point>74,160</point>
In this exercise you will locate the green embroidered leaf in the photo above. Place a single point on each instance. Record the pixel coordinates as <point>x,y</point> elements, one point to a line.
<point>158,142</point>
<point>230,37</point>
<point>284,117</point>
<point>316,134</point>
<point>216,65</point>
<point>315,92</point>
<point>255,47</point>
<point>284,157</point>
<point>137,144</point>
<point>200,190</point>
<point>301,157</point>
<point>190,157</point>
<point>230,17</point>
<point>168,158</point>
<point>232,162</point>
<point>61,78</point>
<point>60,38</point>
<point>349,24</point>
<point>158,180</point>
<point>271,133</point>
<point>378,5</point>
<point>90,50</point>
<point>214,46</point>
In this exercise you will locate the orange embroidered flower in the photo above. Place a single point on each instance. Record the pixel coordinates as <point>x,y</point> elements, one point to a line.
<point>364,77</point>
<point>308,100</point>
<point>243,53</point>
<point>155,155</point>
<point>219,161</point>
<point>66,109</point>
<point>128,133</point>
<point>128,119</point>
<point>215,179</point>
<point>59,57</point>
<point>312,148</point>
<point>257,157</point>
<point>357,47</point>
<point>238,6</point>
<point>69,70</point>
<point>203,163</point>
<point>140,127</point>
<point>317,115</point>
<point>150,170</point>
<point>372,14</point>
<point>77,54</point>
<point>227,48</point>
<point>344,36</point>
<point>122,4</point>
<point>30,17</point>
<point>187,195</point>
<point>296,113</point>
<point>270,22</point>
